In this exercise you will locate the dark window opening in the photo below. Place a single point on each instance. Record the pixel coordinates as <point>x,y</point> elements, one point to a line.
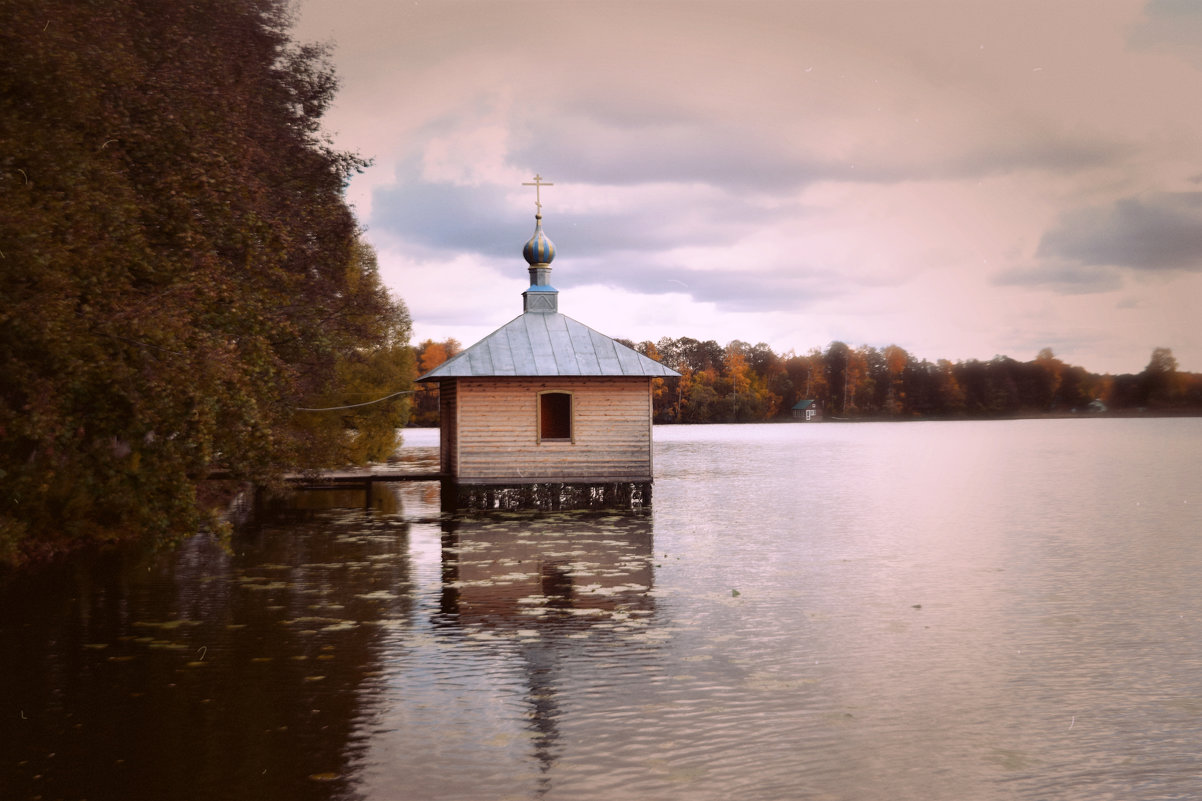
<point>555,415</point>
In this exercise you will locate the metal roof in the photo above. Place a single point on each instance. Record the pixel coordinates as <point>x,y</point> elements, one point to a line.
<point>547,344</point>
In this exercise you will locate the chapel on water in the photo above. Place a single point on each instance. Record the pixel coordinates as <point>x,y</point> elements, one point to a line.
<point>546,412</point>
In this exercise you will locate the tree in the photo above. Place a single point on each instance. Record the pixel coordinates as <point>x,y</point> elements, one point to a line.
<point>692,354</point>
<point>1050,377</point>
<point>950,393</point>
<point>860,366</point>
<point>896,362</point>
<point>837,360</point>
<point>365,400</point>
<point>738,374</point>
<point>663,399</point>
<point>180,270</point>
<point>807,376</point>
<point>430,354</point>
<point>1078,388</point>
<point>1159,381</point>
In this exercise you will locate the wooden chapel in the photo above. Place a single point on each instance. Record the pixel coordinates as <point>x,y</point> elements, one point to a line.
<point>546,412</point>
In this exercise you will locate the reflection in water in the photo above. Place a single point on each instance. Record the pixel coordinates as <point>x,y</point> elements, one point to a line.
<point>558,570</point>
<point>201,673</point>
<point>379,497</point>
<point>918,612</point>
<point>549,577</point>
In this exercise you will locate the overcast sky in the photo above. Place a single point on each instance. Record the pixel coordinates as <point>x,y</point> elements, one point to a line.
<point>962,179</point>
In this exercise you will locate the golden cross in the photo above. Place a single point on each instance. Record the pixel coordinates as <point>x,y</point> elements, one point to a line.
<point>538,184</point>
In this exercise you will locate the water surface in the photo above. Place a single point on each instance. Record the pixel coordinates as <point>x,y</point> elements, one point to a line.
<point>985,610</point>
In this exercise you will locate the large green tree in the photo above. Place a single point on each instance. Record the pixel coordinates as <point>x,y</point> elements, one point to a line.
<point>179,270</point>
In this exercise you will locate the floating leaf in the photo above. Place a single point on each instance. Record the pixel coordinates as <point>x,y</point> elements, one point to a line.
<point>345,625</point>
<point>378,595</point>
<point>166,624</point>
<point>311,620</point>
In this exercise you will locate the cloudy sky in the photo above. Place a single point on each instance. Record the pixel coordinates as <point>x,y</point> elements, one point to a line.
<point>962,179</point>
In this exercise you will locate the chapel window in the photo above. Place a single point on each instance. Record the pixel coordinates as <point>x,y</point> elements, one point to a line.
<point>555,416</point>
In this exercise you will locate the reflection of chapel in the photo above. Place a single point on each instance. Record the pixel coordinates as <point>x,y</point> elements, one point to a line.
<point>546,400</point>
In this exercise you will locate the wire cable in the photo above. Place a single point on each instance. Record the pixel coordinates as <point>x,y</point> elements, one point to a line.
<point>355,405</point>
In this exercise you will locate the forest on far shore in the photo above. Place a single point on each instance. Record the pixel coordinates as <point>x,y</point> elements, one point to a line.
<point>752,383</point>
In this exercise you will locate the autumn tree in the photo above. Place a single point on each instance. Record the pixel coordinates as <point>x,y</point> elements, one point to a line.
<point>747,383</point>
<point>806,378</point>
<point>1050,372</point>
<point>663,391</point>
<point>1078,388</point>
<point>837,360</point>
<point>179,269</point>
<point>738,376</point>
<point>691,354</point>
<point>896,361</point>
<point>951,394</point>
<point>1159,382</point>
<point>430,354</point>
<point>861,362</point>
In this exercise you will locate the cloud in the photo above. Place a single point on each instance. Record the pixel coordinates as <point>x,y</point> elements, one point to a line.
<point>442,218</point>
<point>782,289</point>
<point>1174,26</point>
<point>1065,279</point>
<point>634,249</point>
<point>792,172</point>
<point>1153,232</point>
<point>587,221</point>
<point>771,98</point>
<point>742,155</point>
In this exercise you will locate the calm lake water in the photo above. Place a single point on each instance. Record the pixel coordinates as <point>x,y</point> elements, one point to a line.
<point>927,611</point>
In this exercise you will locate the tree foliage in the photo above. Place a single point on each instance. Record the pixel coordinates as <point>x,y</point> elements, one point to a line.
<point>178,266</point>
<point>751,383</point>
<point>428,355</point>
<point>743,383</point>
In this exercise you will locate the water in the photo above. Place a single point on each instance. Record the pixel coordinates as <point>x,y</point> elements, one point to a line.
<point>984,610</point>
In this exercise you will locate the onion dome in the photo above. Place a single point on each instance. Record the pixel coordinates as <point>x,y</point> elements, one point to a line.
<point>540,249</point>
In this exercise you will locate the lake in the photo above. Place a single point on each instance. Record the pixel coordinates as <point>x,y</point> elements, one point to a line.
<point>927,611</point>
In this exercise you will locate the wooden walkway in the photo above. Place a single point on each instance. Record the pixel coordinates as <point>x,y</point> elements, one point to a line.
<point>344,478</point>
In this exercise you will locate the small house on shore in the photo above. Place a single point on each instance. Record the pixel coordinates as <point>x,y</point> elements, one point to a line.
<point>546,412</point>
<point>807,411</point>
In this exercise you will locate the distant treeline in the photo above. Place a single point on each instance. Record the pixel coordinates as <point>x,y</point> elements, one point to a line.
<point>752,383</point>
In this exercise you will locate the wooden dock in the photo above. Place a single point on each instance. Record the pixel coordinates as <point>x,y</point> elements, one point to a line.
<point>542,495</point>
<point>356,478</point>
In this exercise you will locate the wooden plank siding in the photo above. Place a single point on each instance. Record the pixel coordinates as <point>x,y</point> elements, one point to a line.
<point>448,448</point>
<point>494,430</point>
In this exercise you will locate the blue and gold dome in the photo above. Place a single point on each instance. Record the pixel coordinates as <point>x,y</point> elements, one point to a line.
<point>539,250</point>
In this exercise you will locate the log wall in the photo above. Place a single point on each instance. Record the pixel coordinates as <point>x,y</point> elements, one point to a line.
<point>448,429</point>
<point>495,431</point>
